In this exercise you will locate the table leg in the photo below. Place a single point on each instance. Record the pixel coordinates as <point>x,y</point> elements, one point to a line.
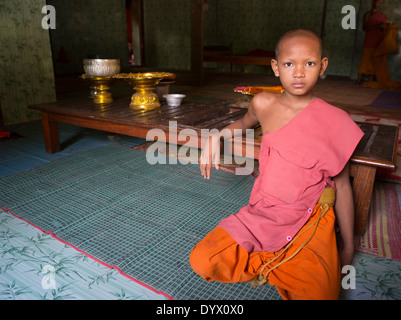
<point>364,179</point>
<point>50,134</point>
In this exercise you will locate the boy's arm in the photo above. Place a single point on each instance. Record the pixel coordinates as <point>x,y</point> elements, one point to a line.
<point>344,209</point>
<point>210,153</point>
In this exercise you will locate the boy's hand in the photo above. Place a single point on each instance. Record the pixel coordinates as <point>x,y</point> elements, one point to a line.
<point>346,256</point>
<point>210,155</point>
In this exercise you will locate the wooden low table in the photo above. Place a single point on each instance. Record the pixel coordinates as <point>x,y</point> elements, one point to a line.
<point>376,150</point>
<point>122,119</point>
<point>225,55</point>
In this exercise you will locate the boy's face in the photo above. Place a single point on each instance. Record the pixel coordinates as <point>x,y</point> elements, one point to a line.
<point>299,64</point>
<point>377,4</point>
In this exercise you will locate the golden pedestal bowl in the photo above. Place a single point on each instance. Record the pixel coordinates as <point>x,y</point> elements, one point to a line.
<point>144,96</point>
<point>144,85</point>
<point>100,89</point>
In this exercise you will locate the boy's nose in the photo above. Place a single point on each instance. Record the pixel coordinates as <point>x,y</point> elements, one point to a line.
<point>299,72</point>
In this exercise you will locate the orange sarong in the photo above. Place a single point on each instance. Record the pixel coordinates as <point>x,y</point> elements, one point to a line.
<point>366,66</point>
<point>311,272</point>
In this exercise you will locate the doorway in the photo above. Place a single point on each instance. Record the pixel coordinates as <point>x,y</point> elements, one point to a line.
<point>135,32</point>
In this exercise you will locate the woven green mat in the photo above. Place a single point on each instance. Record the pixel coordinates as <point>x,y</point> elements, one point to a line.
<point>142,219</point>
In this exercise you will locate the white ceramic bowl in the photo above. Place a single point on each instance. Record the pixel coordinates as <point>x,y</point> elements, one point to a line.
<point>102,67</point>
<point>174,100</point>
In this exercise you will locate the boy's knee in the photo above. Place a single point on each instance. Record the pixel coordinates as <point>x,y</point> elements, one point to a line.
<point>215,257</point>
<point>199,259</point>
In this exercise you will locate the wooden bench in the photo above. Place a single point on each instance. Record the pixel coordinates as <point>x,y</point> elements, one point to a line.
<point>224,55</point>
<point>376,150</point>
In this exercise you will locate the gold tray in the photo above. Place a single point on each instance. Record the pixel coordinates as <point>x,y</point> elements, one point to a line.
<point>251,91</point>
<point>86,77</point>
<point>146,75</point>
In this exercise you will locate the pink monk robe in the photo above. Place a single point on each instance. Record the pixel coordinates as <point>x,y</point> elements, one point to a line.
<point>297,162</point>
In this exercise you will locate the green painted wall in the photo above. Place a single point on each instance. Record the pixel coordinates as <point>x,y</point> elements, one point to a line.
<point>26,69</point>
<point>168,33</point>
<point>257,24</point>
<point>88,28</point>
<point>27,65</point>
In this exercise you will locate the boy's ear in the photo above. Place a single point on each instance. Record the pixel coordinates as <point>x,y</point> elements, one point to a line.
<point>324,65</point>
<point>274,65</point>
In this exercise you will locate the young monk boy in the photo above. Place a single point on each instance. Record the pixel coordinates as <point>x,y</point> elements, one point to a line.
<point>285,235</point>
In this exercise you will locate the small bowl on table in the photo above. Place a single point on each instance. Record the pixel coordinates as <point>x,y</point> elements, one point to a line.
<point>174,100</point>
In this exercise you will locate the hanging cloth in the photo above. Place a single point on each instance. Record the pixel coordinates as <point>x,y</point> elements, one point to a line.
<point>380,61</point>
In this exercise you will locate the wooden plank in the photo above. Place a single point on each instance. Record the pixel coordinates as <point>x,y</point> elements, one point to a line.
<point>195,116</point>
<point>224,121</point>
<point>50,134</point>
<point>262,61</point>
<point>99,124</point>
<point>378,146</point>
<point>362,186</point>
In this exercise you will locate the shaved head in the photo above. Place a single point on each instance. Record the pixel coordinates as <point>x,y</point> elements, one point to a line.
<point>299,33</point>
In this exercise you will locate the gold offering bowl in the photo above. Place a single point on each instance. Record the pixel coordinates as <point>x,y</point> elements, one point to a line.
<point>100,89</point>
<point>144,85</point>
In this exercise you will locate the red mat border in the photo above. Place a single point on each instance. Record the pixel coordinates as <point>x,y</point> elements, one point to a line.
<point>91,257</point>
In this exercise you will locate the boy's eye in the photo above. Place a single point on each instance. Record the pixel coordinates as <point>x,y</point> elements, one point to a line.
<point>310,64</point>
<point>287,64</point>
